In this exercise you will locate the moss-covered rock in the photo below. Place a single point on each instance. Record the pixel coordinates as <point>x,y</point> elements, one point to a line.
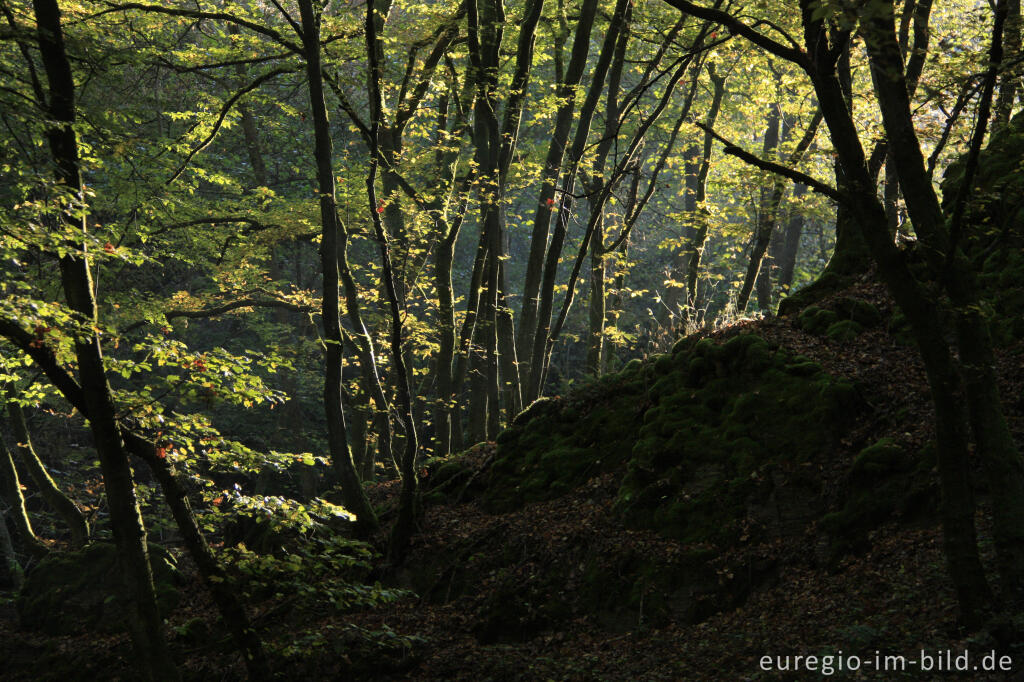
<point>558,443</point>
<point>843,331</point>
<point>993,228</point>
<point>883,480</point>
<point>858,310</point>
<point>72,591</point>
<point>743,407</point>
<point>815,320</point>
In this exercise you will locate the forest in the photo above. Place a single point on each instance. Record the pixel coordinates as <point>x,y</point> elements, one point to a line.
<point>511,339</point>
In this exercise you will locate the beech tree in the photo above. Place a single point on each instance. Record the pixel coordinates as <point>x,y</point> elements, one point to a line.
<point>827,36</point>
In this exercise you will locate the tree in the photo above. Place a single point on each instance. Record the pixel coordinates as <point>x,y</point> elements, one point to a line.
<point>826,38</point>
<point>76,278</point>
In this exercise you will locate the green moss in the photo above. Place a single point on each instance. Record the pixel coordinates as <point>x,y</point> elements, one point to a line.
<point>843,331</point>
<point>828,283</point>
<point>692,434</point>
<point>741,407</point>
<point>877,461</point>
<point>859,311</point>
<point>883,480</point>
<point>558,443</point>
<point>815,320</point>
<point>993,232</point>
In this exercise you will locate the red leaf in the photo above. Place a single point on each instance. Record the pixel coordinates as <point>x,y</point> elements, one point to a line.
<point>108,247</point>
<point>217,500</point>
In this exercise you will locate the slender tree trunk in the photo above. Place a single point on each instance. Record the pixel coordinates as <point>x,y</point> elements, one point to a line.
<point>541,344</point>
<point>14,571</point>
<point>510,385</point>
<point>337,438</point>
<point>63,505</point>
<point>594,182</point>
<point>625,161</point>
<point>996,448</point>
<point>791,241</point>
<point>401,532</point>
<point>215,578</point>
<point>444,423</point>
<point>891,196</point>
<point>695,250</point>
<point>850,255</point>
<point>549,178</point>
<point>770,208</point>
<point>957,509</point>
<point>485,34</point>
<point>765,216</point>
<point>10,492</point>
<point>467,362</point>
<point>597,313</point>
<point>1009,79</point>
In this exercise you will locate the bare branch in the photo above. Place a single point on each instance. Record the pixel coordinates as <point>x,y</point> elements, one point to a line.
<point>794,175</point>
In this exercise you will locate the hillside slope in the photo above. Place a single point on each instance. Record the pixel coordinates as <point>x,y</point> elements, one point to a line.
<point>767,490</point>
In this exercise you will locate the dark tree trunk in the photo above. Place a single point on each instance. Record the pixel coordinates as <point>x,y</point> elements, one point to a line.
<point>401,532</point>
<point>996,448</point>
<point>545,298</point>
<point>341,456</point>
<point>549,178</point>
<point>1009,79</point>
<point>15,575</point>
<point>791,242</point>
<point>767,215</point>
<point>125,516</point>
<point>695,248</point>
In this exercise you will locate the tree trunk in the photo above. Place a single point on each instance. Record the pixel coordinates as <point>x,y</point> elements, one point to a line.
<point>125,516</point>
<point>770,208</point>
<point>401,532</point>
<point>10,492</point>
<point>957,509</point>
<point>996,448</point>
<point>695,248</point>
<point>791,242</point>
<point>598,210</point>
<point>341,456</point>
<point>1009,79</point>
<point>63,505</point>
<point>765,215</point>
<point>545,298</point>
<point>595,182</point>
<point>467,362</point>
<point>15,574</point>
<point>549,178</point>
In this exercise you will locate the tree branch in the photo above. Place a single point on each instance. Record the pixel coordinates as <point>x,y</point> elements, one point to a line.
<point>794,175</point>
<point>734,25</point>
<point>223,114</point>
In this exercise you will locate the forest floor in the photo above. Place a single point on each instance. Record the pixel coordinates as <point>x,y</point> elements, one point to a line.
<point>891,597</point>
